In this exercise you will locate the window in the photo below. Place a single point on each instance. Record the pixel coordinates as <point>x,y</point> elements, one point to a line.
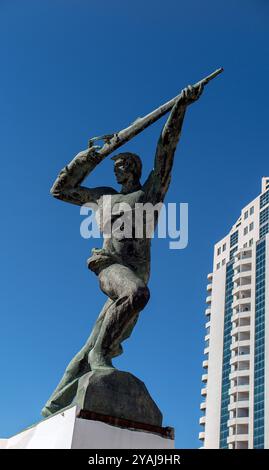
<point>259,371</point>
<point>226,356</point>
<point>245,245</point>
<point>251,226</point>
<point>251,242</point>
<point>246,215</point>
<point>224,247</point>
<point>219,251</point>
<point>234,239</point>
<point>245,230</point>
<point>223,262</point>
<point>233,251</point>
<point>264,230</point>
<point>251,210</point>
<point>264,199</point>
<point>218,265</point>
<point>264,215</point>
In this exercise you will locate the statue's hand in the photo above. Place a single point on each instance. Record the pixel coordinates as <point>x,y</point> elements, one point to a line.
<point>90,154</point>
<point>191,94</point>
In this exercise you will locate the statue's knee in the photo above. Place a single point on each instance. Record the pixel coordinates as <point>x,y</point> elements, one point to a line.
<point>140,297</point>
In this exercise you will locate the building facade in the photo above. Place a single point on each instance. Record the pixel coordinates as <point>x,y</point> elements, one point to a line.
<point>235,406</point>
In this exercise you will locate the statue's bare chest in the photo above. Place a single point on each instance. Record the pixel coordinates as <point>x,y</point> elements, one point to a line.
<point>113,206</point>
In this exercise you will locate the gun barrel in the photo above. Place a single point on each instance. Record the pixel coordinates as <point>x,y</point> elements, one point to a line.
<point>140,124</point>
<point>207,79</point>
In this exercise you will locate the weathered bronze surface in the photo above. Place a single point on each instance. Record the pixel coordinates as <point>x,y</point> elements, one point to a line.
<point>123,264</point>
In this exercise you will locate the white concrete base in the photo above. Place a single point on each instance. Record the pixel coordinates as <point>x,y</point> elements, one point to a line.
<point>66,431</point>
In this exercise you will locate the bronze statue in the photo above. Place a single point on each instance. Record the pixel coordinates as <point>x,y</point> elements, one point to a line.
<point>123,264</point>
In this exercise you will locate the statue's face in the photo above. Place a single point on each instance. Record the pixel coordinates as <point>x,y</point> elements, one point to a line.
<point>123,170</point>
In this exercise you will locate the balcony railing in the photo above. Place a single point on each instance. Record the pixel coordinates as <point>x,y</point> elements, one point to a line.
<point>202,420</point>
<point>236,438</point>
<point>238,388</point>
<point>238,404</point>
<point>236,421</point>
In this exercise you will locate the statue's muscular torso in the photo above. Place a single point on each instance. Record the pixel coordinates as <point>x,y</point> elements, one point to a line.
<point>126,241</point>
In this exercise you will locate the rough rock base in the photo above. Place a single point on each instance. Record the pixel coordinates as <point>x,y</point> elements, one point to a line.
<point>118,394</point>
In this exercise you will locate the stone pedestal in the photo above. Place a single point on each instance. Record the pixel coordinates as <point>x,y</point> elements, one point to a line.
<point>109,392</point>
<point>74,428</point>
<point>119,394</point>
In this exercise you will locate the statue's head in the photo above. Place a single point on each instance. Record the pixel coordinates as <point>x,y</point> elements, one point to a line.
<point>127,168</point>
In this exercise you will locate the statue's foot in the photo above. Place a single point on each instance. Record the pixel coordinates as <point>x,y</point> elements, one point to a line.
<point>98,361</point>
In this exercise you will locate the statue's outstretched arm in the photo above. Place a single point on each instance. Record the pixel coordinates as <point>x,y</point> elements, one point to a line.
<point>67,184</point>
<point>158,181</point>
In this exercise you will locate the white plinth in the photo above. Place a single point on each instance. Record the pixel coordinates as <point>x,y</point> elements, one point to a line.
<point>66,431</point>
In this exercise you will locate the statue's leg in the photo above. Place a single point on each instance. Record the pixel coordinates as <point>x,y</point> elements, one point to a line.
<point>79,365</point>
<point>130,295</point>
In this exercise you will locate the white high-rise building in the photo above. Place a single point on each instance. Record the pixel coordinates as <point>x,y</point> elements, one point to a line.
<point>235,409</point>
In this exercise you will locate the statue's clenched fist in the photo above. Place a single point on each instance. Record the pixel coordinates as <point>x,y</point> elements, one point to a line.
<point>192,93</point>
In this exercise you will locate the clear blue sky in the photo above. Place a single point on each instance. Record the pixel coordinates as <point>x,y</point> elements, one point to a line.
<point>74,69</point>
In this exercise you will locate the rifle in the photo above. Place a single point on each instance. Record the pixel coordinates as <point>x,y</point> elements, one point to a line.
<point>116,140</point>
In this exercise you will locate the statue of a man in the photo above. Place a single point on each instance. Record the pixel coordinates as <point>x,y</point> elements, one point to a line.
<point>123,264</point>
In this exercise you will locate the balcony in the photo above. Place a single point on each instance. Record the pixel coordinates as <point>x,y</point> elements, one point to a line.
<point>202,420</point>
<point>203,392</point>
<point>237,437</point>
<point>203,405</point>
<point>240,329</point>
<point>241,302</point>
<point>241,288</point>
<point>208,311</point>
<point>242,274</point>
<point>204,377</point>
<point>208,299</point>
<point>237,421</point>
<point>202,435</point>
<point>238,358</point>
<point>205,364</point>
<point>238,404</point>
<point>239,388</point>
<point>242,265</point>
<point>240,344</point>
<point>242,337</point>
<point>210,276</point>
<point>244,253</point>
<point>242,278</point>
<point>242,314</point>
<point>239,373</point>
<point>209,287</point>
<point>243,292</point>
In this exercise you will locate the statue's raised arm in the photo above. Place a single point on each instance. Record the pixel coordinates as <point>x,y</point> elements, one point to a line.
<point>67,186</point>
<point>157,184</point>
